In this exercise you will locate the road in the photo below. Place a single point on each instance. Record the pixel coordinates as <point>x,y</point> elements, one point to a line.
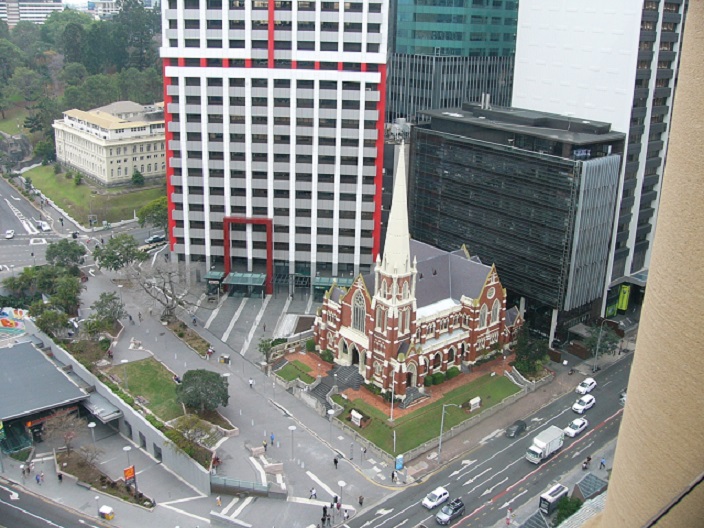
<point>20,508</point>
<point>496,476</point>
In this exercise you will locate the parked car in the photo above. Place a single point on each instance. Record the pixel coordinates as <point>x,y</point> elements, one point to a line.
<point>10,233</point>
<point>576,426</point>
<point>586,386</point>
<point>450,512</point>
<point>154,239</point>
<point>517,429</point>
<point>436,498</point>
<point>622,397</point>
<point>582,404</point>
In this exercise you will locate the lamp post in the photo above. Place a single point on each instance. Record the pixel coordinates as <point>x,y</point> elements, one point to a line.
<point>292,428</point>
<point>97,504</point>
<point>12,267</point>
<point>442,426</point>
<point>119,288</point>
<point>124,368</point>
<point>598,342</point>
<point>342,484</point>
<point>331,412</point>
<point>127,450</point>
<point>393,393</point>
<point>91,426</point>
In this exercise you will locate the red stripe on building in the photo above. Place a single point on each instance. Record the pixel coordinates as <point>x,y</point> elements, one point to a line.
<point>340,66</point>
<point>270,62</point>
<point>169,155</point>
<point>294,65</point>
<point>248,63</point>
<point>203,62</point>
<point>226,63</point>
<point>317,65</point>
<point>378,181</point>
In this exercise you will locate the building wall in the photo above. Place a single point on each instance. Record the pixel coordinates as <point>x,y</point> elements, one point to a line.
<point>277,114</point>
<point>14,11</point>
<point>613,62</point>
<point>659,456</point>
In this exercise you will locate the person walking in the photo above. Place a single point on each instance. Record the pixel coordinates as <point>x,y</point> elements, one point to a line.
<point>139,316</point>
<point>335,461</point>
<point>314,494</point>
<point>218,501</point>
<point>38,479</point>
<point>347,515</point>
<point>60,476</point>
<point>271,438</point>
<point>325,511</point>
<point>602,464</point>
<point>361,500</point>
<point>251,383</point>
<point>393,477</point>
<point>41,477</point>
<point>264,444</point>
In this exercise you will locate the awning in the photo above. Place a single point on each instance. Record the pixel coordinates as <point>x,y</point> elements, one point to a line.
<point>326,282</point>
<point>214,275</point>
<point>245,279</point>
<point>101,408</point>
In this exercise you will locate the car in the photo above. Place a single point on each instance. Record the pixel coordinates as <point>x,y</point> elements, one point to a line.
<point>450,512</point>
<point>436,498</point>
<point>10,233</point>
<point>576,426</point>
<point>586,386</point>
<point>622,397</point>
<point>518,427</point>
<point>582,404</point>
<point>154,239</point>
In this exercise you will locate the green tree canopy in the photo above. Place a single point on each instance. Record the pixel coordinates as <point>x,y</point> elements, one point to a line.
<point>107,310</point>
<point>119,252</point>
<point>65,253</point>
<point>67,294</point>
<point>73,74</point>
<point>203,390</point>
<point>73,42</point>
<point>53,28</point>
<point>51,321</point>
<point>25,35</point>
<point>530,353</point>
<point>26,85</point>
<point>155,213</point>
<point>265,345</point>
<point>10,58</point>
<point>608,343</point>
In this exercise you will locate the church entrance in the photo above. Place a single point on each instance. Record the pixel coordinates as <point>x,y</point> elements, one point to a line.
<point>355,355</point>
<point>411,375</point>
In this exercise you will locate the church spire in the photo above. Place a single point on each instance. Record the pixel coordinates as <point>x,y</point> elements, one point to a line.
<point>397,250</point>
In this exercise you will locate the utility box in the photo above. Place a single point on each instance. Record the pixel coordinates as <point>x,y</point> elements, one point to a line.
<point>225,358</point>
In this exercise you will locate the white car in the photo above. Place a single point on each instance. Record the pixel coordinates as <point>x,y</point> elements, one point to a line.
<point>582,404</point>
<point>586,386</point>
<point>436,498</point>
<point>576,426</point>
<point>10,233</point>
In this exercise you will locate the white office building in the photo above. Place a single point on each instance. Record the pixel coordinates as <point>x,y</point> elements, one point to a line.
<point>37,11</point>
<point>614,62</point>
<point>274,113</point>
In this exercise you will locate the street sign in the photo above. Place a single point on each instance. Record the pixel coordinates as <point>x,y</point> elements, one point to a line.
<point>2,430</point>
<point>129,475</point>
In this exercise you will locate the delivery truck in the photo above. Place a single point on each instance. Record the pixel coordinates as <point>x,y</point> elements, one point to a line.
<point>545,444</point>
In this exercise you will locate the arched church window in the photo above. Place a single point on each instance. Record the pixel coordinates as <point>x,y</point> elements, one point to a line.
<point>405,290</point>
<point>359,312</point>
<point>495,311</point>
<point>482,316</point>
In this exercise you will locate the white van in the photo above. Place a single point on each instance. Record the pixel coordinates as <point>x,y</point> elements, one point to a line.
<point>43,226</point>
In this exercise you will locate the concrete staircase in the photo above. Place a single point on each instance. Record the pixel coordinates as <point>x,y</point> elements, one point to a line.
<point>347,378</point>
<point>413,395</point>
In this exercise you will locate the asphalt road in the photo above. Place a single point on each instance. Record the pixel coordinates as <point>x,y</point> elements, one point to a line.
<point>20,508</point>
<point>496,476</point>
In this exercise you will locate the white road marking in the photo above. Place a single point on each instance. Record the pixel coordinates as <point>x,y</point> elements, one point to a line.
<point>13,494</point>
<point>477,476</point>
<point>216,311</point>
<point>235,317</point>
<point>242,506</point>
<point>320,483</point>
<point>508,503</point>
<point>257,320</point>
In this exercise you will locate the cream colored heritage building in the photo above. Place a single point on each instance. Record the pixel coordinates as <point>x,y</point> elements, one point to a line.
<point>110,143</point>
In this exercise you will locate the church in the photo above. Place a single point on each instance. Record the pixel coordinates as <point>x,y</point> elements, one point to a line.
<point>422,310</point>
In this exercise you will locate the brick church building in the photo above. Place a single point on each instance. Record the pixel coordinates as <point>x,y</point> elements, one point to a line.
<point>422,310</point>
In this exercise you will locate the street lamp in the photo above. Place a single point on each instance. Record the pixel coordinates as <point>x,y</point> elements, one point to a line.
<point>598,342</point>
<point>119,288</point>
<point>442,426</point>
<point>127,450</point>
<point>393,393</point>
<point>342,484</point>
<point>12,267</point>
<point>91,426</point>
<point>331,412</point>
<point>97,504</point>
<point>124,368</point>
<point>292,428</point>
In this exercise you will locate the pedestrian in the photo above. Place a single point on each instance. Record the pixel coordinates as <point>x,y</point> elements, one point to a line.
<point>361,500</point>
<point>60,477</point>
<point>335,461</point>
<point>102,241</point>
<point>393,476</point>
<point>41,477</point>
<point>329,519</point>
<point>272,439</point>
<point>209,353</point>
<point>347,515</point>
<point>38,479</point>
<point>265,327</point>
<point>251,383</point>
<point>150,311</point>
<point>602,464</point>
<point>195,321</point>
<point>218,501</point>
<point>325,511</point>
<point>130,318</point>
<point>334,501</point>
<point>313,494</point>
<point>139,316</point>
<point>339,505</point>
<point>323,519</point>
<point>264,444</point>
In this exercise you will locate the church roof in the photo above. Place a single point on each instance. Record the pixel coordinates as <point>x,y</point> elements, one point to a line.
<point>396,257</point>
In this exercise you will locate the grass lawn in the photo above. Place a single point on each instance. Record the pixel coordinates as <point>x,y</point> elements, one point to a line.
<point>110,205</point>
<point>13,116</point>
<point>424,424</point>
<point>149,379</point>
<point>296,369</point>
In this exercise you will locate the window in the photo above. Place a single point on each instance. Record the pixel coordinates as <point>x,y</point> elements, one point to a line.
<point>495,311</point>
<point>482,316</point>
<point>359,312</point>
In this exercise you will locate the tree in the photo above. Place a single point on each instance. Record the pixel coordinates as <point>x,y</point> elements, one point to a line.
<point>47,151</point>
<point>26,85</point>
<point>163,283</point>
<point>67,294</point>
<point>64,424</point>
<point>51,321</point>
<point>155,213</point>
<point>265,346</point>
<point>192,428</point>
<point>566,507</point>
<point>107,310</point>
<point>73,41</point>
<point>203,390</point>
<point>137,178</point>
<point>89,454</point>
<point>10,58</point>
<point>119,252</point>
<point>530,353</point>
<point>609,339</point>
<point>73,74</point>
<point>25,35</point>
<point>65,253</point>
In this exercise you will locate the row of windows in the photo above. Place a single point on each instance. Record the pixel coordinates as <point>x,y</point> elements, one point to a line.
<point>279,5</point>
<point>263,211</point>
<point>322,178</point>
<point>239,82</point>
<point>284,158</point>
<point>141,148</point>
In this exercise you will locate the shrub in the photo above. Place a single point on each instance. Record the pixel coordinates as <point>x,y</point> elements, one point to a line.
<point>373,388</point>
<point>278,341</point>
<point>57,168</point>
<point>310,345</point>
<point>452,372</point>
<point>566,508</point>
<point>438,378</point>
<point>78,179</point>
<point>326,355</point>
<point>428,381</point>
<point>104,344</point>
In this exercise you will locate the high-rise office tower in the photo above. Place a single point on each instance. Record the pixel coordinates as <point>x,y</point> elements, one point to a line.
<point>615,62</point>
<point>444,53</point>
<point>275,128</point>
<point>37,11</point>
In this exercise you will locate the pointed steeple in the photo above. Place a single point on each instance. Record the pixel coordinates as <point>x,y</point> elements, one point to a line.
<point>397,250</point>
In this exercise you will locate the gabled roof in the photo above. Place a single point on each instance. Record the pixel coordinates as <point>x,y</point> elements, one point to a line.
<point>591,485</point>
<point>120,107</point>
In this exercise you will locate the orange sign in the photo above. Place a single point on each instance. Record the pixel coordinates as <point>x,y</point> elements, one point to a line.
<point>129,474</point>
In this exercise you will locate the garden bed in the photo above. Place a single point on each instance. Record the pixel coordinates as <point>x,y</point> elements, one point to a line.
<point>189,336</point>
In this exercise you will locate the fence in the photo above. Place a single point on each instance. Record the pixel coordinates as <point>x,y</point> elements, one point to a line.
<point>228,486</point>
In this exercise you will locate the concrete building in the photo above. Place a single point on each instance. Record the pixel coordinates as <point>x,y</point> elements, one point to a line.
<point>532,192</point>
<point>110,143</point>
<point>657,478</point>
<point>37,11</point>
<point>445,53</point>
<point>275,131</point>
<point>614,62</point>
<point>422,311</point>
